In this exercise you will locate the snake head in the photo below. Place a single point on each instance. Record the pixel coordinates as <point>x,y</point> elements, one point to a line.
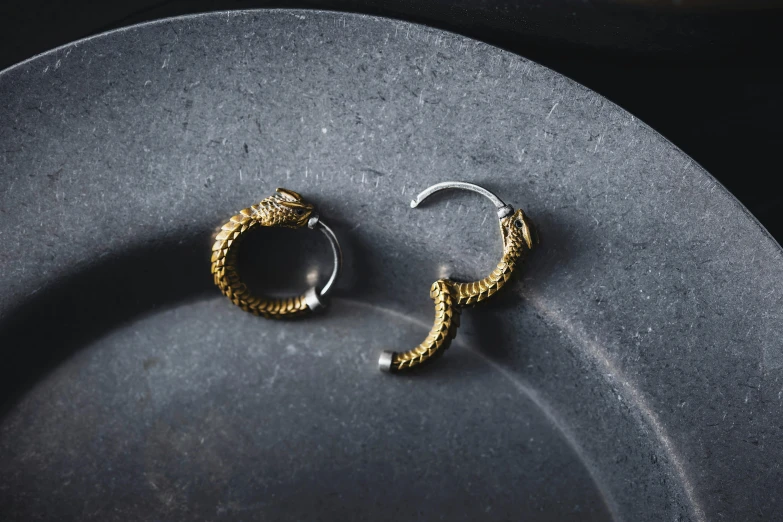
<point>518,231</point>
<point>285,208</point>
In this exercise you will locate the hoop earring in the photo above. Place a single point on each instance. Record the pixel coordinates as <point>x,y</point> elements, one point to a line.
<point>286,209</point>
<point>519,237</point>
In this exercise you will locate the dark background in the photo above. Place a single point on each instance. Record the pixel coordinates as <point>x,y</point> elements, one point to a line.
<point>703,73</point>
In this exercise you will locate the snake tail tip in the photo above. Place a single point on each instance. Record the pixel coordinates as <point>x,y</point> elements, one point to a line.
<point>414,203</point>
<point>385,361</point>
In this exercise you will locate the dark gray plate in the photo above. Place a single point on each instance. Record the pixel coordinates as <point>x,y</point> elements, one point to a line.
<point>632,373</point>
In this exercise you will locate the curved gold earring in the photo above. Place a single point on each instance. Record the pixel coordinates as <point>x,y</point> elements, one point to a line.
<point>519,237</point>
<point>286,209</point>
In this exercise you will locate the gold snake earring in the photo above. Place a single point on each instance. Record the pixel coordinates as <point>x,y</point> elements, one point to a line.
<point>519,237</point>
<point>284,209</point>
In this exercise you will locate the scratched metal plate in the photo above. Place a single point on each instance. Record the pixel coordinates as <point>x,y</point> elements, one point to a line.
<point>632,373</point>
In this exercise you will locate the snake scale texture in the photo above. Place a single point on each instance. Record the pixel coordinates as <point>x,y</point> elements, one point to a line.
<point>450,297</point>
<point>284,209</point>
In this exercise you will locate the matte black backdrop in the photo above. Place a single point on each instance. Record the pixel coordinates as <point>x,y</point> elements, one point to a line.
<point>703,73</point>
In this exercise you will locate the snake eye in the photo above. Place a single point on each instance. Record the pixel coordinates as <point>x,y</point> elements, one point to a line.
<point>299,212</point>
<point>518,223</point>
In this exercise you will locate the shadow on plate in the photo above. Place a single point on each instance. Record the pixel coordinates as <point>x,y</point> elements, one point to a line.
<point>119,288</point>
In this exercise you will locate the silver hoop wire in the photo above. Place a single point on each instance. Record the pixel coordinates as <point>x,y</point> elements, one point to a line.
<point>313,295</point>
<point>503,209</point>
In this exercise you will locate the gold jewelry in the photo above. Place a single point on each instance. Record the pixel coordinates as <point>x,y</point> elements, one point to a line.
<point>284,209</point>
<point>519,237</point>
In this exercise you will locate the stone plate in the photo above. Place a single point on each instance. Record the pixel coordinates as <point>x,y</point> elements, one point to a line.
<point>633,371</point>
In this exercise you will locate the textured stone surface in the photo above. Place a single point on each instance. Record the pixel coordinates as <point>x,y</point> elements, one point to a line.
<point>632,373</point>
